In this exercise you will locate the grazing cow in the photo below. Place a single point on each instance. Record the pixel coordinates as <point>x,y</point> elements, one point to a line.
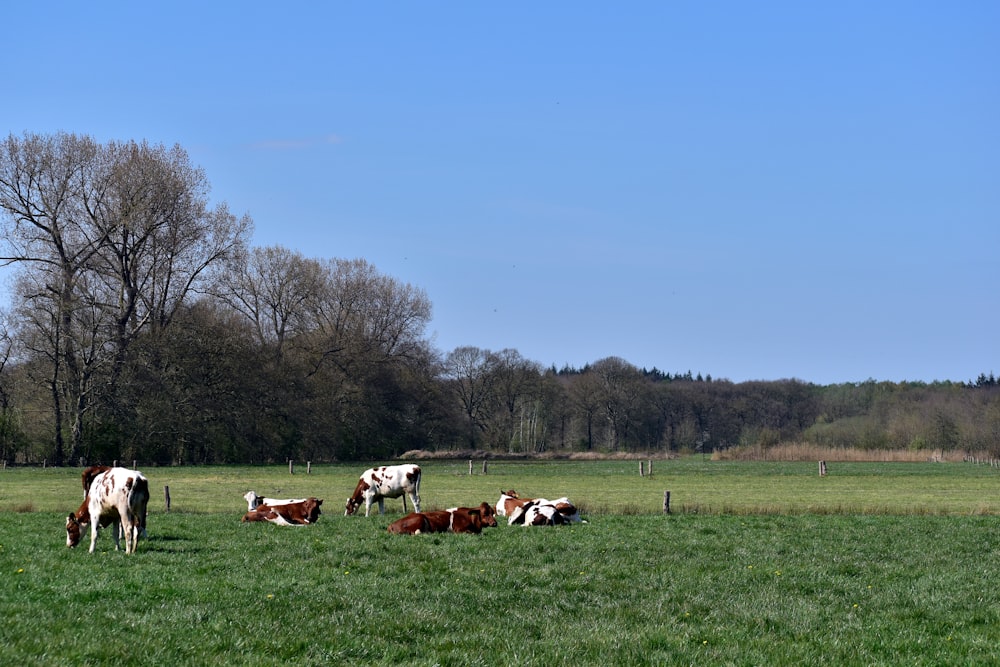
<point>376,484</point>
<point>253,501</point>
<point>117,497</point>
<point>541,510</point>
<point>296,513</point>
<point>455,520</point>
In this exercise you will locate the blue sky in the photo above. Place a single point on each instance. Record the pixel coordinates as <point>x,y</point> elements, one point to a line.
<point>746,190</point>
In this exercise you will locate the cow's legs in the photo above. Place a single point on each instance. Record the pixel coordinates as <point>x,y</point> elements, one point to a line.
<point>381,505</point>
<point>415,497</point>
<point>131,536</point>
<point>116,529</point>
<point>93,533</point>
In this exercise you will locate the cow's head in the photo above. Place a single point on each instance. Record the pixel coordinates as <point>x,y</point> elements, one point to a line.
<point>312,509</point>
<point>358,497</point>
<point>488,515</point>
<point>352,506</point>
<point>74,531</point>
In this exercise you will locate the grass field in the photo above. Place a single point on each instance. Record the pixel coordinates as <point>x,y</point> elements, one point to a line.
<point>761,564</point>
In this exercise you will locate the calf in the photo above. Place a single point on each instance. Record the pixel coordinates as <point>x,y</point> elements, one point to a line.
<point>253,501</point>
<point>298,513</point>
<point>117,497</point>
<point>376,484</point>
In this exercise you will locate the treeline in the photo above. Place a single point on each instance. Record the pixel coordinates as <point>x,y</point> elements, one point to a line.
<point>142,325</point>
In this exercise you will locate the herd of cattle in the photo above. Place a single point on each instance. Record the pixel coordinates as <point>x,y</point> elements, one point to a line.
<point>118,497</point>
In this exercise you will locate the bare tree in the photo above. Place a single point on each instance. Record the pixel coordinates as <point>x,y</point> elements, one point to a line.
<point>620,387</point>
<point>469,372</point>
<point>275,289</point>
<point>112,239</point>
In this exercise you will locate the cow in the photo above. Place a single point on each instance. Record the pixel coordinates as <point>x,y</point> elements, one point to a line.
<point>253,500</point>
<point>536,511</point>
<point>296,513</point>
<point>509,501</point>
<point>454,520</point>
<point>117,497</point>
<point>486,513</point>
<point>376,484</point>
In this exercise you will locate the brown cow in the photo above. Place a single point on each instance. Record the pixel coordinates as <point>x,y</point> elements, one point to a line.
<point>454,520</point>
<point>290,514</point>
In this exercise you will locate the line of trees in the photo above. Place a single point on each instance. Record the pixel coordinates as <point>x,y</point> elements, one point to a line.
<point>143,325</point>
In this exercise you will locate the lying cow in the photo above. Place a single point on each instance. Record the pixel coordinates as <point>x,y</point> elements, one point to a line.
<point>536,511</point>
<point>298,513</point>
<point>253,500</point>
<point>377,484</point>
<point>116,497</point>
<point>454,520</point>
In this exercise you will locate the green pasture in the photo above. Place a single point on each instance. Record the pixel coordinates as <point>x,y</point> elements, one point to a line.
<point>598,487</point>
<point>759,564</point>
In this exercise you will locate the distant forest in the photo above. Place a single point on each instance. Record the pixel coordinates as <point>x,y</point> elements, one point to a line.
<point>142,325</point>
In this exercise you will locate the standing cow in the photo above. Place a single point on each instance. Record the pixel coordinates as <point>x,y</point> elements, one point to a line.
<point>117,497</point>
<point>376,484</point>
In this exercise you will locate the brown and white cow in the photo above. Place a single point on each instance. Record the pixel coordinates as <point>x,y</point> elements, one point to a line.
<point>254,501</point>
<point>454,520</point>
<point>509,501</point>
<point>117,497</point>
<point>536,511</point>
<point>298,513</point>
<point>376,484</point>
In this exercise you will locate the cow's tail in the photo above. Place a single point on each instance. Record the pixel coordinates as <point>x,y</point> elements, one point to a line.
<point>138,500</point>
<point>416,491</point>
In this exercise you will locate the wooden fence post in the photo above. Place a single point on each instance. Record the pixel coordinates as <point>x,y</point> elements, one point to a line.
<point>166,496</point>
<point>291,467</point>
<point>114,464</point>
<point>822,468</point>
<point>641,469</point>
<point>484,466</point>
<point>666,502</point>
<point>309,467</point>
<point>470,466</point>
<point>649,467</point>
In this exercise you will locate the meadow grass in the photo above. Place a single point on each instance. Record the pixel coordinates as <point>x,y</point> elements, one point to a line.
<point>598,487</point>
<point>894,584</point>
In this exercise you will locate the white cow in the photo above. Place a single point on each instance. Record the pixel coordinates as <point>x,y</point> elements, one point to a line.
<point>118,497</point>
<point>376,484</point>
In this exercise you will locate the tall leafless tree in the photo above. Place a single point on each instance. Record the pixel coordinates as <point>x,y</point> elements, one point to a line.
<point>111,239</point>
